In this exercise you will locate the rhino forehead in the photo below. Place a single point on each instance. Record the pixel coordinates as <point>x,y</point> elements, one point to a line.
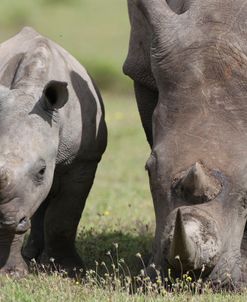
<point>35,64</point>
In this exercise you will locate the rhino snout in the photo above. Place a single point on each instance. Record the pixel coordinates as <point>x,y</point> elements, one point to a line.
<point>13,220</point>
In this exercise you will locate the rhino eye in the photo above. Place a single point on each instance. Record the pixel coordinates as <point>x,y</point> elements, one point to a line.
<point>42,171</point>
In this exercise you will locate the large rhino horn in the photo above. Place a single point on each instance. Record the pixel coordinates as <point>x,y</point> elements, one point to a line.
<point>197,184</point>
<point>181,245</point>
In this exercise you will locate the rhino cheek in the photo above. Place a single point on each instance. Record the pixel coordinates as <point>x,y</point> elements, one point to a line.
<point>12,214</point>
<point>229,267</point>
<point>35,195</point>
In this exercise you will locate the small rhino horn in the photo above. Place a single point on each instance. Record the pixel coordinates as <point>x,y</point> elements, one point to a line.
<point>198,184</point>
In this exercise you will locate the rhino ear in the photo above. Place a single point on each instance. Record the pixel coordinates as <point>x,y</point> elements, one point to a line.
<point>55,94</point>
<point>157,12</point>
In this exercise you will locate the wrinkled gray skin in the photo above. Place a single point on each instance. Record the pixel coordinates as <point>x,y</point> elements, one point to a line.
<point>52,136</point>
<point>188,60</point>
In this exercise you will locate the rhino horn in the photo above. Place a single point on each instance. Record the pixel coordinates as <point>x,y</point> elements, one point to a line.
<point>197,184</point>
<point>181,245</point>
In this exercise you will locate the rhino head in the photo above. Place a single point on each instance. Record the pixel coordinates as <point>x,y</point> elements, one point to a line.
<point>27,163</point>
<point>197,69</point>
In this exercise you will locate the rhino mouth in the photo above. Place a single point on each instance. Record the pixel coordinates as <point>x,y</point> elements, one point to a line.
<point>18,228</point>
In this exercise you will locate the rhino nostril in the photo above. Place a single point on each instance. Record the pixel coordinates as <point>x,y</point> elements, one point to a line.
<point>23,225</point>
<point>23,220</point>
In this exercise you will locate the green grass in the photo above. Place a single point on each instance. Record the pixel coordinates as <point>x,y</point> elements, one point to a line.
<point>46,289</point>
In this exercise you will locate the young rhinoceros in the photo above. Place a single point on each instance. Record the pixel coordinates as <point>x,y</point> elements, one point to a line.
<point>52,136</point>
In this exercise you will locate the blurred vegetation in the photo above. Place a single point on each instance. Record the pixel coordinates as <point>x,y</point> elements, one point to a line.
<point>96,32</point>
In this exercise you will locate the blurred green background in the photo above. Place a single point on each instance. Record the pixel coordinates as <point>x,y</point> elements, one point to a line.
<point>94,31</point>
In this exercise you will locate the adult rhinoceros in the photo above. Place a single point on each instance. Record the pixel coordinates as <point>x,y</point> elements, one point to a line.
<point>52,136</point>
<point>188,60</point>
